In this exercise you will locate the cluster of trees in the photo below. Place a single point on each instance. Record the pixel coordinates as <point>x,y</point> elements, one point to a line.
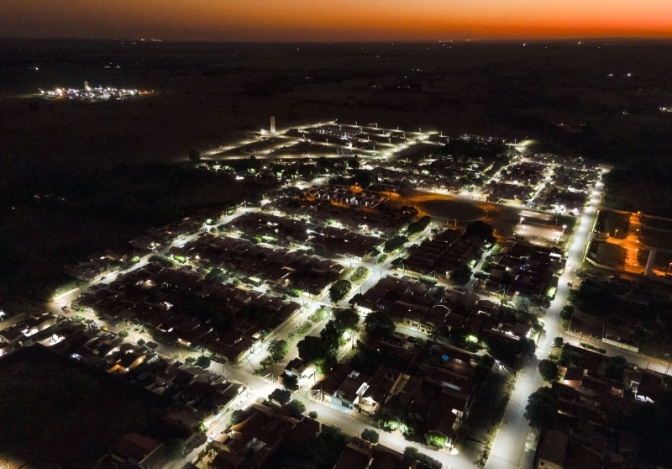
<point>567,312</point>
<point>461,275</point>
<point>391,423</point>
<point>359,274</point>
<point>482,230</point>
<point>371,436</point>
<point>570,355</point>
<point>217,275</point>
<point>411,455</point>
<point>549,370</point>
<point>542,408</point>
<point>436,439</point>
<point>322,349</point>
<point>339,290</point>
<point>281,396</point>
<point>278,349</point>
<point>201,362</point>
<point>284,398</point>
<point>378,325</point>
<point>418,226</point>
<point>290,382</point>
<point>395,243</point>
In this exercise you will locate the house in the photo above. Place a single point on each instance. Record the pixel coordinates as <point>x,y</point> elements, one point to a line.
<point>298,368</point>
<point>327,387</point>
<point>360,454</point>
<point>552,452</point>
<point>383,384</point>
<point>349,393</point>
<point>134,447</point>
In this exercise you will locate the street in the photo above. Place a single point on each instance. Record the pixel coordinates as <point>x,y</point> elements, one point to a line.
<point>510,450</point>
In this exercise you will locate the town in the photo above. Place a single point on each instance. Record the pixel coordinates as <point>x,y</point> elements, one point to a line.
<point>392,298</point>
<point>92,94</point>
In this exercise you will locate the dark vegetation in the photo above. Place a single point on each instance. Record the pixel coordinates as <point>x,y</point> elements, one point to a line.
<point>542,408</point>
<point>48,403</point>
<point>320,453</point>
<point>64,215</point>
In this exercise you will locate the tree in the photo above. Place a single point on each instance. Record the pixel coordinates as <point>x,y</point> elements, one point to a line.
<point>487,361</point>
<point>330,337</point>
<point>123,333</point>
<point>395,243</point>
<point>174,449</point>
<point>194,155</point>
<point>297,406</point>
<point>567,312</point>
<point>203,362</point>
<point>548,370</point>
<point>216,276</point>
<point>312,414</point>
<point>558,342</point>
<point>436,439</point>
<point>482,230</point>
<point>237,416</point>
<point>370,435</point>
<point>419,226</point>
<point>542,408</point>
<point>310,349</point>
<point>378,325</point>
<point>339,290</point>
<point>614,368</point>
<point>281,396</point>
<point>524,304</point>
<point>346,319</point>
<point>278,349</point>
<point>461,275</point>
<point>570,355</point>
<point>290,382</point>
<point>411,454</point>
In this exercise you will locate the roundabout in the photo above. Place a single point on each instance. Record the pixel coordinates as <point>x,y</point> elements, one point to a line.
<point>453,209</point>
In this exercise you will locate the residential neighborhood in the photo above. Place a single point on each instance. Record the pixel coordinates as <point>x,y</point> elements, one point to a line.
<point>392,286</point>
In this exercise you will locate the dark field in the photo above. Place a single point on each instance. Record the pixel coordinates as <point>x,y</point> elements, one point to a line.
<point>214,94</point>
<point>48,404</point>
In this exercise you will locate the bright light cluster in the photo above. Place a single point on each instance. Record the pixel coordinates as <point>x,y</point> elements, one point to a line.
<point>94,94</point>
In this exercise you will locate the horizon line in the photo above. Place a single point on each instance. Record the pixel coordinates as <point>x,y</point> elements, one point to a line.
<point>386,41</point>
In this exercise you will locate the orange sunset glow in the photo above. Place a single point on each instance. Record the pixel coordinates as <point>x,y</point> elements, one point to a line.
<point>336,20</point>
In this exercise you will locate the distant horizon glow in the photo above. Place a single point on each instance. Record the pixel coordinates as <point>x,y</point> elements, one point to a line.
<point>336,20</point>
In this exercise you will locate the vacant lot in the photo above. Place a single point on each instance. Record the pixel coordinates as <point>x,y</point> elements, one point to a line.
<point>54,411</point>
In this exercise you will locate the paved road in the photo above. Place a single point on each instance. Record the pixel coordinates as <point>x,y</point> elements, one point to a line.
<point>509,450</point>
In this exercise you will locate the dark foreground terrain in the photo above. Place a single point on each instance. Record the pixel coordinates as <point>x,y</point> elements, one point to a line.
<point>598,99</point>
<point>55,412</point>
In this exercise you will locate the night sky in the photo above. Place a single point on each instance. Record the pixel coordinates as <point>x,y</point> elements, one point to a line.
<point>335,20</point>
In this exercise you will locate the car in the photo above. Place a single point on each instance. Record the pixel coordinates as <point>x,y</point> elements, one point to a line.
<point>569,284</point>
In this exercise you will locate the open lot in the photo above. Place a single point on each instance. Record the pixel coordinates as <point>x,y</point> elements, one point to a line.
<point>47,402</point>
